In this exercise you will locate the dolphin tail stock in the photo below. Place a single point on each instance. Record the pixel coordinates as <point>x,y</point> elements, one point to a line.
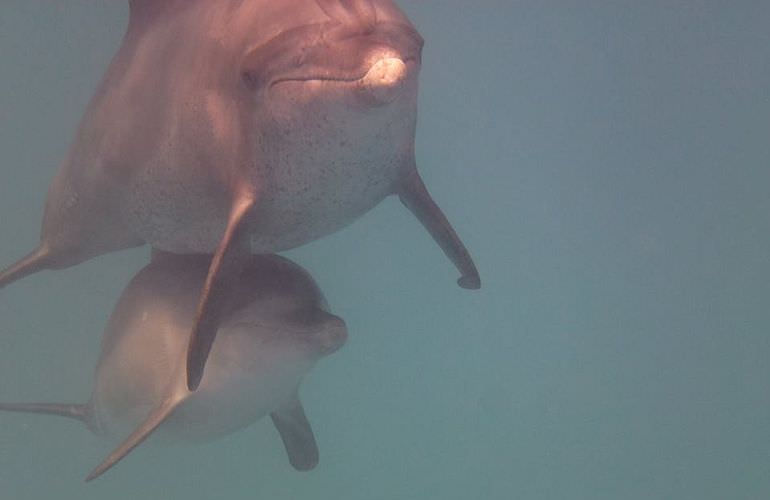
<point>68,410</point>
<point>140,434</point>
<point>414,195</point>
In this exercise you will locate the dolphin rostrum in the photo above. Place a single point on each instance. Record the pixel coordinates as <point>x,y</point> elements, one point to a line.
<point>231,127</point>
<point>274,329</point>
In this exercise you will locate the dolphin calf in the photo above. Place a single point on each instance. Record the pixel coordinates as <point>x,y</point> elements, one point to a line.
<point>276,326</point>
<point>231,127</point>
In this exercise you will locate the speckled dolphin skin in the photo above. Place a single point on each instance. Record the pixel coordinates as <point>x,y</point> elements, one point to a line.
<point>275,329</point>
<point>232,127</point>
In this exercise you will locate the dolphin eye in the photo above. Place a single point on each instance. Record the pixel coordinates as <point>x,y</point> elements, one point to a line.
<point>250,78</point>
<point>301,58</point>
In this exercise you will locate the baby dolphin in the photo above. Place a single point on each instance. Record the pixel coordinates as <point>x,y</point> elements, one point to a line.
<point>275,327</point>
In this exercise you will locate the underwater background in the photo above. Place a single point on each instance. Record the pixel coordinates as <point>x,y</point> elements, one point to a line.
<point>608,166</point>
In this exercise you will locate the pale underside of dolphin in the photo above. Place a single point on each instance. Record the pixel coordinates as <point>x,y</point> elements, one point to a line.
<point>234,127</point>
<point>274,330</point>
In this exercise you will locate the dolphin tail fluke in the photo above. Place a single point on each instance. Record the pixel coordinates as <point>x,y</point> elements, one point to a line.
<point>35,261</point>
<point>157,417</point>
<point>297,435</point>
<point>74,411</point>
<point>414,195</point>
<point>224,269</point>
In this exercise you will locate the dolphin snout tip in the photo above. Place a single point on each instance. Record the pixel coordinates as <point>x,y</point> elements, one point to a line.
<point>335,334</point>
<point>384,81</point>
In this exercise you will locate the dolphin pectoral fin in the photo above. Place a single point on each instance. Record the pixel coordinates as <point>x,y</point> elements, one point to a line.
<point>414,195</point>
<point>225,266</point>
<point>297,435</point>
<point>35,261</point>
<point>157,417</point>
<point>74,411</point>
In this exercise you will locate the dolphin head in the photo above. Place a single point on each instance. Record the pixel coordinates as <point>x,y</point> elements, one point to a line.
<point>370,58</point>
<point>334,99</point>
<point>322,333</point>
<point>278,332</point>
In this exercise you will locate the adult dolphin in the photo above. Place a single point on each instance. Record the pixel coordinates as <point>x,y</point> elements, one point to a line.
<point>276,327</point>
<point>237,126</point>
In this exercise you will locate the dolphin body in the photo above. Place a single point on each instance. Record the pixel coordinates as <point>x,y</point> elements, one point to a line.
<point>231,127</point>
<point>275,328</point>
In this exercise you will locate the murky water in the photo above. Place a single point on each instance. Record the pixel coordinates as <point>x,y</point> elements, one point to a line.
<point>607,165</point>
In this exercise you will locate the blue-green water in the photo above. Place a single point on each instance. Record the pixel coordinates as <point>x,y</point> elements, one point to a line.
<point>608,165</point>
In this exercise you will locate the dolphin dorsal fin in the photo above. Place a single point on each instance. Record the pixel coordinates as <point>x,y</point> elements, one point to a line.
<point>297,435</point>
<point>153,420</point>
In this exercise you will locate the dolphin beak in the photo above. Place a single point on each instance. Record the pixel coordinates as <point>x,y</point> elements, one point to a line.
<point>384,81</point>
<point>333,335</point>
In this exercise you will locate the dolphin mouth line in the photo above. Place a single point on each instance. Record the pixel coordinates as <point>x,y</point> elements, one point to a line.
<point>340,79</point>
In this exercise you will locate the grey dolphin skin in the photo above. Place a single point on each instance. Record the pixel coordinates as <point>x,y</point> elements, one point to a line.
<point>231,127</point>
<point>275,328</point>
